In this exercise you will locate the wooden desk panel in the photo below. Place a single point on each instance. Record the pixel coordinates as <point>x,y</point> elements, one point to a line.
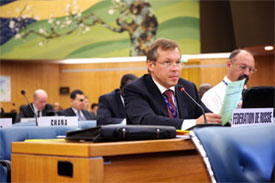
<point>34,168</point>
<point>159,167</point>
<point>173,160</point>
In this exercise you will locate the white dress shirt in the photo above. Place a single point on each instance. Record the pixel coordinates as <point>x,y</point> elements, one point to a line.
<point>213,98</point>
<point>187,123</point>
<point>36,111</point>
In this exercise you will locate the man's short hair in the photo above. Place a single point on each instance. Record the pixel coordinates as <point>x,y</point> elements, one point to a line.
<point>125,79</point>
<point>164,44</point>
<point>235,52</point>
<point>75,92</point>
<point>94,105</point>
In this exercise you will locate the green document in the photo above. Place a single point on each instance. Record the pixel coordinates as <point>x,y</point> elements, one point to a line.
<point>231,99</point>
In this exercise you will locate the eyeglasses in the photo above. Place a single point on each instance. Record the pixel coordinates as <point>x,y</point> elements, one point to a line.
<point>243,67</point>
<point>168,64</point>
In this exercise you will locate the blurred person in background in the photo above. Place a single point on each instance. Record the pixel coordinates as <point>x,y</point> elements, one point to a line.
<point>39,104</point>
<point>77,99</point>
<point>111,108</point>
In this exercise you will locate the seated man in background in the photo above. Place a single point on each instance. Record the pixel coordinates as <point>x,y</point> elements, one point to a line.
<point>204,87</point>
<point>94,108</point>
<point>111,106</point>
<point>77,104</point>
<point>239,66</point>
<point>86,107</point>
<point>57,107</point>
<point>157,98</point>
<point>39,104</point>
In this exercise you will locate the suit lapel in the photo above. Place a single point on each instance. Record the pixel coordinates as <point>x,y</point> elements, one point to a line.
<point>72,113</point>
<point>120,105</point>
<point>86,114</point>
<point>156,95</point>
<point>44,111</point>
<point>182,103</point>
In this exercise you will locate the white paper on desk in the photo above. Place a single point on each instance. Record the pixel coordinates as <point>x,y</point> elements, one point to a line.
<point>231,99</point>
<point>5,122</point>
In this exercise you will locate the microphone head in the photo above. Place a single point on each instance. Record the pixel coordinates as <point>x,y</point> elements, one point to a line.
<point>23,92</point>
<point>181,88</point>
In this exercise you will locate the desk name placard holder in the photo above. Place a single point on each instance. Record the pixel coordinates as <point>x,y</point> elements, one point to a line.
<point>5,122</point>
<point>252,116</point>
<point>58,121</point>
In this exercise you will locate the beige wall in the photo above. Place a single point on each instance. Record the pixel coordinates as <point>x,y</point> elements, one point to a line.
<point>98,79</point>
<point>30,76</point>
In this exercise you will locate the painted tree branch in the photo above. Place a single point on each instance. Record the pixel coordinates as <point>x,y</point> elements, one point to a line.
<point>135,16</point>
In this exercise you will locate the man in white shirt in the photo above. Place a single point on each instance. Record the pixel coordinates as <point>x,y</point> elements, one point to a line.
<point>240,65</point>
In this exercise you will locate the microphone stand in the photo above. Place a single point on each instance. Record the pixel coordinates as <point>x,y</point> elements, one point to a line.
<point>203,111</point>
<point>35,116</point>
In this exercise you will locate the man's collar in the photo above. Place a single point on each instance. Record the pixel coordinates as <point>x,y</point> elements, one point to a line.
<point>34,108</point>
<point>226,79</point>
<point>229,81</point>
<point>161,88</point>
<point>75,111</point>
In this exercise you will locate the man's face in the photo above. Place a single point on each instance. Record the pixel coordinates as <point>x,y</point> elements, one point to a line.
<point>241,67</point>
<point>40,101</point>
<point>78,102</point>
<point>167,68</point>
<point>94,109</point>
<point>86,104</point>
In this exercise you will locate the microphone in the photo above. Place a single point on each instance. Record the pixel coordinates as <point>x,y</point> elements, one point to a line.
<point>35,116</point>
<point>181,88</point>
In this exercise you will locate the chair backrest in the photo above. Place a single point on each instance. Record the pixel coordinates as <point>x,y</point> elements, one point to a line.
<point>259,97</point>
<point>21,133</point>
<point>15,134</point>
<point>240,154</point>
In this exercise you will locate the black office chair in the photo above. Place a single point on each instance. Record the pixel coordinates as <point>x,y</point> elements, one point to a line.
<point>239,154</point>
<point>259,97</point>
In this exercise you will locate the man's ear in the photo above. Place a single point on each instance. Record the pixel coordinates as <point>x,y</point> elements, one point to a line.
<point>71,100</point>
<point>228,63</point>
<point>150,65</point>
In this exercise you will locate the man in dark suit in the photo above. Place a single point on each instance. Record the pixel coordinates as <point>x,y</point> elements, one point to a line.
<point>156,99</point>
<point>39,104</point>
<point>111,106</point>
<point>77,104</point>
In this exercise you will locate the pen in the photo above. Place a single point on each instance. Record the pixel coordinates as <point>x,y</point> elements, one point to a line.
<point>182,131</point>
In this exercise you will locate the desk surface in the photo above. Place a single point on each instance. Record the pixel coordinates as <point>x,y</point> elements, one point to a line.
<point>169,160</point>
<point>90,149</point>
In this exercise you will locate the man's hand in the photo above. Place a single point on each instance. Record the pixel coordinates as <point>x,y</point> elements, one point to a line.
<point>210,118</point>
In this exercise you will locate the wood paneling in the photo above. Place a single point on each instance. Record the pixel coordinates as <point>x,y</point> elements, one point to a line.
<point>101,78</point>
<point>212,71</point>
<point>30,76</point>
<point>97,79</point>
<point>265,71</point>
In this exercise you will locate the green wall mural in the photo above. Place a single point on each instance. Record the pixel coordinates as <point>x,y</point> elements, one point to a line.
<point>96,29</point>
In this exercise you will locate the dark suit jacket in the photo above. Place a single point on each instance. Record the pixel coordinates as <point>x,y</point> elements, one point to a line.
<point>110,109</point>
<point>145,104</point>
<point>25,111</point>
<point>69,112</point>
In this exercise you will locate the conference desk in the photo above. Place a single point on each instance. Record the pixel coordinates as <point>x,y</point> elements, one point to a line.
<point>169,160</point>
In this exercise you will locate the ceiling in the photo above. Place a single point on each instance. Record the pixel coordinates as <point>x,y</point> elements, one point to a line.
<point>230,24</point>
<point>259,50</point>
